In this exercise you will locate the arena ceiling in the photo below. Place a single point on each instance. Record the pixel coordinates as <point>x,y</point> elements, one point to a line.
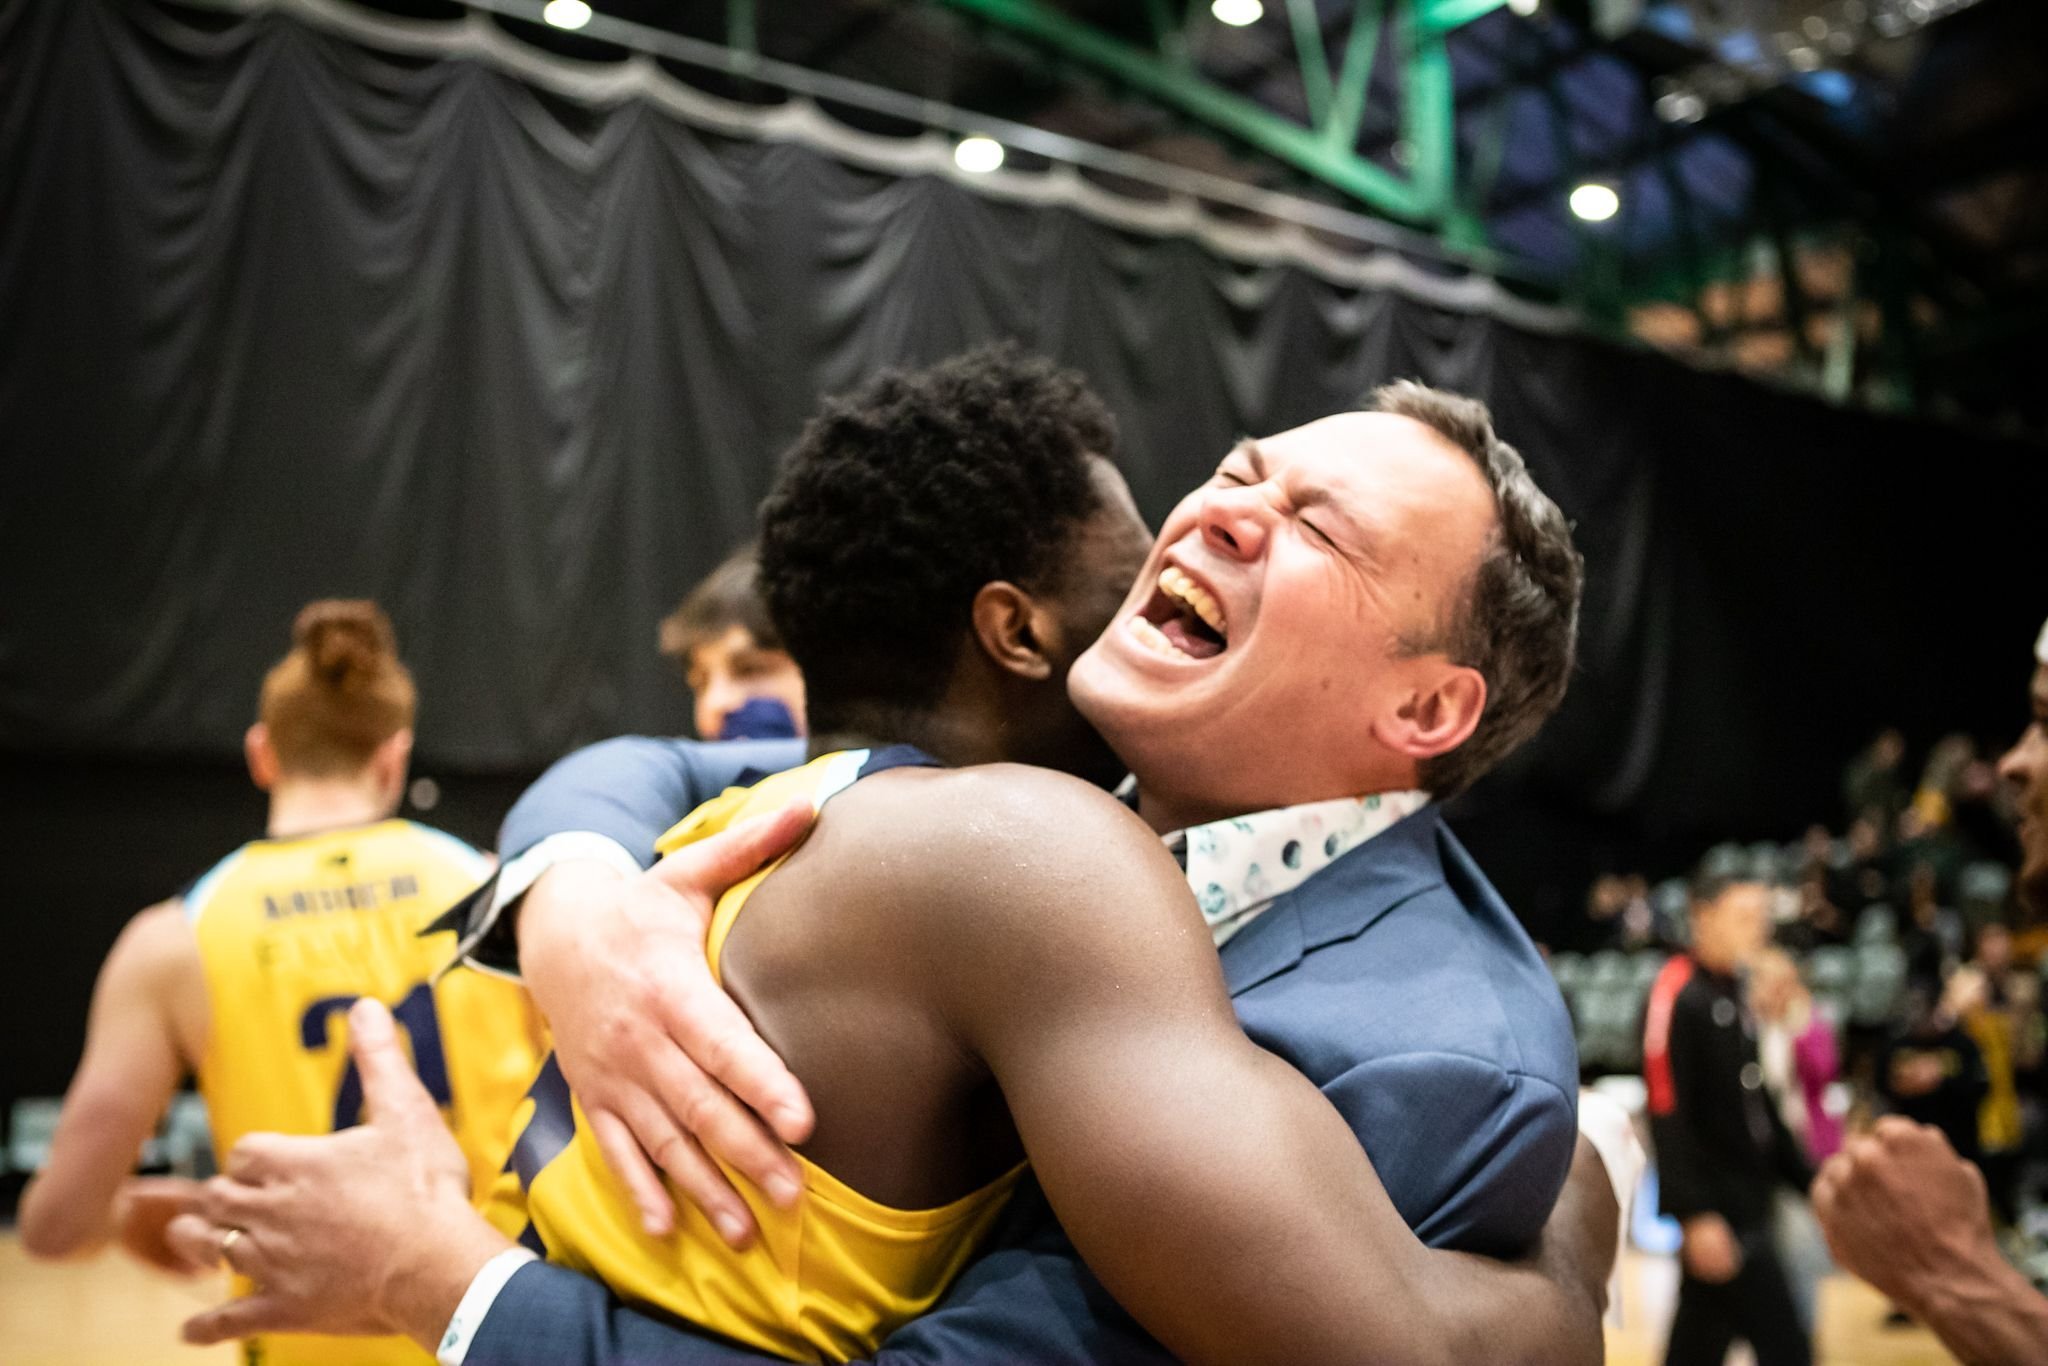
<point>1850,196</point>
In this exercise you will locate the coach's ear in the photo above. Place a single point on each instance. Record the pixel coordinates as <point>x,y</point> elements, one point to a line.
<point>1015,630</point>
<point>261,756</point>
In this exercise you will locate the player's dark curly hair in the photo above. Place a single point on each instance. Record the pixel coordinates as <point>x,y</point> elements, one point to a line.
<point>902,498</point>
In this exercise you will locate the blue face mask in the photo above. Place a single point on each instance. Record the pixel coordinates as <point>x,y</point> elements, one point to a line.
<point>759,718</point>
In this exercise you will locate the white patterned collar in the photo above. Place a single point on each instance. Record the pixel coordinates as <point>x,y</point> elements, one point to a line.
<point>1240,866</point>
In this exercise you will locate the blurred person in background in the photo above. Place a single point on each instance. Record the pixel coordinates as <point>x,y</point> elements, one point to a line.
<point>1618,914</point>
<point>1933,937</point>
<point>1819,921</point>
<point>246,976</point>
<point>744,684</point>
<point>1981,815</point>
<point>2003,1018</point>
<point>1796,1045</point>
<point>1900,1207</point>
<point>1875,782</point>
<point>1863,875</point>
<point>1816,850</point>
<point>1940,777</point>
<point>1931,1070</point>
<point>1722,1149</point>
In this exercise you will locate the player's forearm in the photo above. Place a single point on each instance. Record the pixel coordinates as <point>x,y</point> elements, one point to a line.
<point>1985,1312</point>
<point>1547,1306</point>
<point>1518,1312</point>
<point>54,1226</point>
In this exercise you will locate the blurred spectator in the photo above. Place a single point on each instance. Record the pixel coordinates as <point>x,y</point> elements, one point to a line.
<point>1933,939</point>
<point>1950,758</point>
<point>1819,920</point>
<point>1863,877</point>
<point>1796,1044</point>
<point>1981,818</point>
<point>2001,1015</point>
<point>744,683</point>
<point>1876,780</point>
<point>1722,1149</point>
<point>1618,914</point>
<point>1931,1070</point>
<point>1817,851</point>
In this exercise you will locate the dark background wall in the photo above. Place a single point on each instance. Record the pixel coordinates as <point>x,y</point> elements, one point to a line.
<point>287,317</point>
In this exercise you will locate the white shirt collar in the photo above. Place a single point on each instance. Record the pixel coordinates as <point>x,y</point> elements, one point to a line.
<point>1238,867</point>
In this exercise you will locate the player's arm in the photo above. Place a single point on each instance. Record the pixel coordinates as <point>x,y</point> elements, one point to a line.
<point>1213,1188</point>
<point>136,1034</point>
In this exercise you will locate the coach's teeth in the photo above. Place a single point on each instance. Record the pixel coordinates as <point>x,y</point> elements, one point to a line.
<point>1184,589</point>
<point>1153,639</point>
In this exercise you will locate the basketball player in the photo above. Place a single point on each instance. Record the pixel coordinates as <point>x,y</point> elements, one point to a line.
<point>743,684</point>
<point>247,976</point>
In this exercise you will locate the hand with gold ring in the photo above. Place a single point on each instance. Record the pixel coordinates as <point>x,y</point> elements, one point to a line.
<point>365,1231</point>
<point>199,1244</point>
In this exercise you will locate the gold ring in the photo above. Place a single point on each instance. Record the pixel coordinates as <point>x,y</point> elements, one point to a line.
<point>227,1240</point>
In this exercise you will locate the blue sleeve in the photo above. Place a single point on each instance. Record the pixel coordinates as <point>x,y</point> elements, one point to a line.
<point>633,788</point>
<point>1028,1299</point>
<point>1472,1155</point>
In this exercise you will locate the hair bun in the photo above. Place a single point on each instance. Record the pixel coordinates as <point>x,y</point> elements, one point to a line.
<point>346,641</point>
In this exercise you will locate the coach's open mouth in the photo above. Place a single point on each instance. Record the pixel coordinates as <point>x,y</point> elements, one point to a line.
<point>1182,620</point>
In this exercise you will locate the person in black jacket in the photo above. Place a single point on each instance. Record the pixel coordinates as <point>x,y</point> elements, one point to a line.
<point>1721,1146</point>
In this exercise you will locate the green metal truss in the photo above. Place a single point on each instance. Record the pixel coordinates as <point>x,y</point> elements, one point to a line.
<point>1325,147</point>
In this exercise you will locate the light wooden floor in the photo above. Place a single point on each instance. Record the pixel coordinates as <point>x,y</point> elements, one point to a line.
<point>114,1312</point>
<point>110,1311</point>
<point>1852,1331</point>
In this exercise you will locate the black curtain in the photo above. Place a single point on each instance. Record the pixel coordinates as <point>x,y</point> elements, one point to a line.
<point>285,315</point>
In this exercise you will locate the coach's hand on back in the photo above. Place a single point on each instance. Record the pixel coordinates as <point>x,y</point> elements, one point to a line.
<point>668,1070</point>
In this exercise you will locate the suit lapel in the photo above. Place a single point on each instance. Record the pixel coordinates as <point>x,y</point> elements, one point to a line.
<point>1340,902</point>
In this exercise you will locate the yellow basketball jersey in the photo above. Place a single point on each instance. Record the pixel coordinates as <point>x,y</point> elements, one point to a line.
<point>827,1280</point>
<point>291,933</point>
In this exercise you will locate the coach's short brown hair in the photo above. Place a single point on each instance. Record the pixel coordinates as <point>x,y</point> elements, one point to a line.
<point>1517,621</point>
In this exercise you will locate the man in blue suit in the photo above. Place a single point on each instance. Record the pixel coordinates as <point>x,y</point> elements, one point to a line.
<point>1403,553</point>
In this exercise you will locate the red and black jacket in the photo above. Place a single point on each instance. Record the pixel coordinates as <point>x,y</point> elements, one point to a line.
<point>1721,1146</point>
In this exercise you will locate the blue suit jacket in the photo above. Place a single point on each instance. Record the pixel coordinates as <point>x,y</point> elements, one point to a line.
<point>1395,978</point>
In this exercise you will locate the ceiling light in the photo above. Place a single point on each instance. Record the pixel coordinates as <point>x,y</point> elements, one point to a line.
<point>1594,202</point>
<point>1237,13</point>
<point>979,155</point>
<point>566,13</point>
<point>1525,8</point>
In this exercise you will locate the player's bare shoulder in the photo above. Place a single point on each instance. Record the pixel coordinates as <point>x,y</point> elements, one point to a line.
<point>959,825</point>
<point>1003,856</point>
